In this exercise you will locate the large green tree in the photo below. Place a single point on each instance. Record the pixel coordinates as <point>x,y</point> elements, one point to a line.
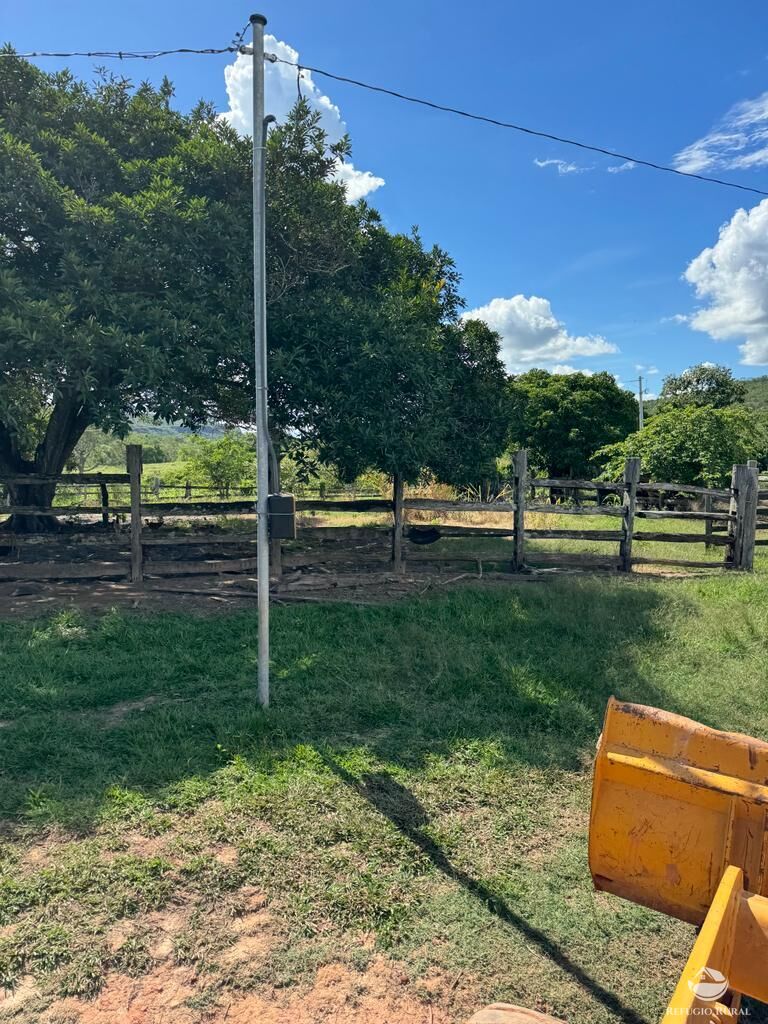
<point>563,418</point>
<point>125,288</point>
<point>691,445</point>
<point>704,384</point>
<point>124,265</point>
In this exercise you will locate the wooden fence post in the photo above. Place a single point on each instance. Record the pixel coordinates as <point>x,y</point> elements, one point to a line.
<point>631,480</point>
<point>133,459</point>
<point>397,523</point>
<point>104,491</point>
<point>708,531</point>
<point>741,531</point>
<point>519,479</point>
<point>275,544</point>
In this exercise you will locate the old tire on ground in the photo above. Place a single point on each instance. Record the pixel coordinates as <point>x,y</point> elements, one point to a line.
<point>506,1013</point>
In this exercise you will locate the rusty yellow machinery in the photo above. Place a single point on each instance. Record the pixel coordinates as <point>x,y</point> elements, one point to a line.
<point>679,823</point>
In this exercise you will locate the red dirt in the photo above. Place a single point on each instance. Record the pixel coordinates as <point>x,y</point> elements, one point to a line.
<point>381,995</point>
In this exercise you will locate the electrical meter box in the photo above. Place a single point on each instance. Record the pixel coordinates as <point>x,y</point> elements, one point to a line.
<point>282,516</point>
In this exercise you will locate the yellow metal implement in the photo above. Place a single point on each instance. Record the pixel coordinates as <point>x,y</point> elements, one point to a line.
<point>679,823</point>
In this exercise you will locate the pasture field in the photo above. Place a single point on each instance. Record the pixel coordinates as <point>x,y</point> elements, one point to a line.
<point>402,836</point>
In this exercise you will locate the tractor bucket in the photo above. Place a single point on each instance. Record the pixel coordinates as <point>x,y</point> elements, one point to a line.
<point>674,803</point>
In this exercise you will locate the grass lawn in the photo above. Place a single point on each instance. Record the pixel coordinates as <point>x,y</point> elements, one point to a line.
<point>402,834</point>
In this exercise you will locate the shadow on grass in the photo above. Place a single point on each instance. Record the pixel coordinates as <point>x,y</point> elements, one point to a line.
<point>401,807</point>
<point>527,669</point>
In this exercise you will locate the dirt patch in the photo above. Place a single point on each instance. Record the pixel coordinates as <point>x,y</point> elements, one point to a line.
<point>383,994</point>
<point>115,714</point>
<point>157,998</point>
<point>210,595</point>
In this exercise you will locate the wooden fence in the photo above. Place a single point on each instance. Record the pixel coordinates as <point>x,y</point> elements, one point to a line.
<point>138,543</point>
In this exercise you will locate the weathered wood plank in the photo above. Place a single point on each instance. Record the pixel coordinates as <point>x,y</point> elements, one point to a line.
<point>631,479</point>
<point>581,485</point>
<point>64,570</point>
<point>473,531</point>
<point>398,518</point>
<point>202,567</point>
<point>358,505</point>
<point>612,535</point>
<point>441,505</point>
<point>67,478</point>
<point>652,513</point>
<point>520,474</point>
<point>61,510</point>
<point>577,510</point>
<point>197,508</point>
<point>198,539</point>
<point>681,538</point>
<point>95,539</point>
<point>133,460</point>
<point>713,492</point>
<point>680,561</point>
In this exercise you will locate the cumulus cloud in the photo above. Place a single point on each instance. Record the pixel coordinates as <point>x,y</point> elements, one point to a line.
<point>563,369</point>
<point>628,165</point>
<point>563,166</point>
<point>531,335</point>
<point>281,90</point>
<point>731,278</point>
<point>738,141</point>
<point>649,371</point>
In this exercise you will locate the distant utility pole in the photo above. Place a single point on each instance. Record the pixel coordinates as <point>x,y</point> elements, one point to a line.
<point>640,416</point>
<point>258,22</point>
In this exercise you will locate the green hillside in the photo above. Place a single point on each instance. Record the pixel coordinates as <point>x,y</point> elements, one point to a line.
<point>757,392</point>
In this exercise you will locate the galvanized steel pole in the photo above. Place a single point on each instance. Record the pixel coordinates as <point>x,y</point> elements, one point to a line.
<point>258,22</point>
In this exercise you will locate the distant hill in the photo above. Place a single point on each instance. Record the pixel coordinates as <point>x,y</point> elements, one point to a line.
<point>756,397</point>
<point>757,393</point>
<point>163,429</point>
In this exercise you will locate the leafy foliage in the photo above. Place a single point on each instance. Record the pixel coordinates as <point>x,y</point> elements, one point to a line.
<point>691,445</point>
<point>563,418</point>
<point>224,463</point>
<point>124,264</point>
<point>125,288</point>
<point>704,384</point>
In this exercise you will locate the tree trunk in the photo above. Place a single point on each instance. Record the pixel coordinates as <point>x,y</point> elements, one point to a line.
<point>65,427</point>
<point>31,496</point>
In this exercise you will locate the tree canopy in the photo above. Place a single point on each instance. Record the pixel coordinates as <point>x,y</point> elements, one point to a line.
<point>563,418</point>
<point>705,384</point>
<point>125,289</point>
<point>124,280</point>
<point>691,445</point>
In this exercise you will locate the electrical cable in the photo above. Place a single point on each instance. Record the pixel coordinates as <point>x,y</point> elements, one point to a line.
<point>237,47</point>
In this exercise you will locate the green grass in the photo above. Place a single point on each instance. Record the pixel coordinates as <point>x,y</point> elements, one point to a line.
<point>418,791</point>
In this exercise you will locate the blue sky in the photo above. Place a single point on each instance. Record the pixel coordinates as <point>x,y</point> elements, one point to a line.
<point>576,265</point>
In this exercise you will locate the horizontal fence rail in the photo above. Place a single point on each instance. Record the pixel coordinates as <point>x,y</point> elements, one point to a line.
<point>142,536</point>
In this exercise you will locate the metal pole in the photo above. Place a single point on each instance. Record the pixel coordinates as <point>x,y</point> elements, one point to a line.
<point>640,401</point>
<point>258,22</point>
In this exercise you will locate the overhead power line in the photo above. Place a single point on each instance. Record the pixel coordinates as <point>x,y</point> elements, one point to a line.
<point>237,47</point>
<point>516,127</point>
<point>122,54</point>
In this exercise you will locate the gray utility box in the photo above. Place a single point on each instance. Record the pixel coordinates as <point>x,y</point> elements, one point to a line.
<point>282,517</point>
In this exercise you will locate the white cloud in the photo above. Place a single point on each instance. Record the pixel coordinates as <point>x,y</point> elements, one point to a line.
<point>281,91</point>
<point>739,140</point>
<point>564,369</point>
<point>531,335</point>
<point>732,279</point>
<point>649,371</point>
<point>563,166</point>
<point>628,165</point>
